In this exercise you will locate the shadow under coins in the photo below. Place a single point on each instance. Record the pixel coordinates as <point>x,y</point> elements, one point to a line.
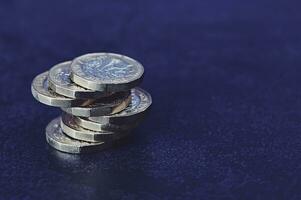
<point>110,179</point>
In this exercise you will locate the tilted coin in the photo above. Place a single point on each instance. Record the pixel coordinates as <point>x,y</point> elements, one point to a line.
<point>41,92</point>
<point>106,72</point>
<point>57,139</point>
<point>75,131</point>
<point>140,103</point>
<point>95,126</point>
<point>104,106</point>
<point>60,82</point>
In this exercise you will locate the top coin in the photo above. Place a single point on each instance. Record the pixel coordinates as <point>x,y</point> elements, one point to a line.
<point>106,72</point>
<point>60,82</point>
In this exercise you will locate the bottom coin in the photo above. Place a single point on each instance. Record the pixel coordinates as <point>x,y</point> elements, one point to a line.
<point>58,140</point>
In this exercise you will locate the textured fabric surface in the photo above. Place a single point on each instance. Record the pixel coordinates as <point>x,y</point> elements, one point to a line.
<point>225,81</point>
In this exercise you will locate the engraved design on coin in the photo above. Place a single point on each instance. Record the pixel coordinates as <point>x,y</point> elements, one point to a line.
<point>61,83</point>
<point>62,77</point>
<point>141,100</point>
<point>107,68</point>
<point>41,92</point>
<point>57,134</point>
<point>135,102</point>
<point>40,83</point>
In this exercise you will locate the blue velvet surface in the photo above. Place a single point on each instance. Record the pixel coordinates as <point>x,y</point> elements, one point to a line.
<point>225,81</point>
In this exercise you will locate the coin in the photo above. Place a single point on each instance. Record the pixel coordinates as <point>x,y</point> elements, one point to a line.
<point>106,72</point>
<point>41,92</point>
<point>58,140</point>
<point>60,82</point>
<point>95,126</point>
<point>104,106</point>
<point>73,130</point>
<point>139,105</point>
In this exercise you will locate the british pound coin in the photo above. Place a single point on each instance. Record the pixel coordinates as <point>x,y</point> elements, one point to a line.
<point>95,126</point>
<point>41,92</point>
<point>140,103</point>
<point>106,72</point>
<point>104,106</point>
<point>60,82</point>
<point>58,140</point>
<point>73,130</point>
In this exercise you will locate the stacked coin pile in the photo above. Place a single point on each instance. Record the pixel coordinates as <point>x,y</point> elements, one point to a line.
<point>99,97</point>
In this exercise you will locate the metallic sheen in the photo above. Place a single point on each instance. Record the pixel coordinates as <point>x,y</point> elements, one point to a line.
<point>140,103</point>
<point>104,106</point>
<point>41,92</point>
<point>58,140</point>
<point>73,130</point>
<point>95,126</point>
<point>60,82</point>
<point>106,72</point>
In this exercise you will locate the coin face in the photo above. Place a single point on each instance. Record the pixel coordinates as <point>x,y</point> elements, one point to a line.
<point>140,102</point>
<point>108,105</point>
<point>41,91</point>
<point>60,82</point>
<point>72,129</point>
<point>57,139</point>
<point>106,72</point>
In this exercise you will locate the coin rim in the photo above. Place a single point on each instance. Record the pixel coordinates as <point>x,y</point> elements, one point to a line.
<point>80,133</point>
<point>43,95</point>
<point>98,111</point>
<point>69,148</point>
<point>95,126</point>
<point>65,90</point>
<point>121,119</point>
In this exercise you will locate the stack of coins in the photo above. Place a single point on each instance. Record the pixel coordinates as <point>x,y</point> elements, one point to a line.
<point>99,97</point>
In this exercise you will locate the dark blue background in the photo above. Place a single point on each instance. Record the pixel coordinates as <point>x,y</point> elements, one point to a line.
<point>225,78</point>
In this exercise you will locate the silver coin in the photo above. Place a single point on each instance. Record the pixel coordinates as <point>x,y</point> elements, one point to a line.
<point>60,82</point>
<point>95,126</point>
<point>139,105</point>
<point>57,139</point>
<point>108,105</point>
<point>41,92</point>
<point>106,72</point>
<point>75,131</point>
